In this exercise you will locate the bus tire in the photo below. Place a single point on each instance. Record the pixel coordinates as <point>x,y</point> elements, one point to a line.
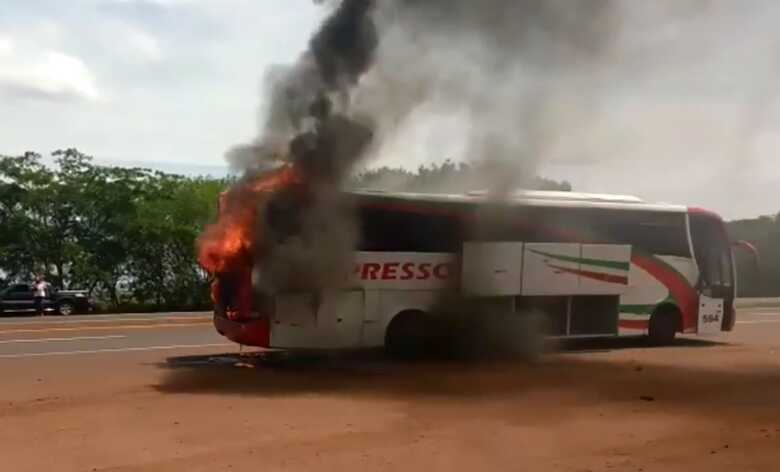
<point>407,335</point>
<point>664,325</point>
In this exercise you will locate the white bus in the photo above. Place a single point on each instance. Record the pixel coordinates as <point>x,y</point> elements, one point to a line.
<point>593,265</point>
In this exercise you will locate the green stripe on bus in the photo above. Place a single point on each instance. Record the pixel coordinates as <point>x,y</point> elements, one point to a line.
<point>591,262</point>
<point>637,309</point>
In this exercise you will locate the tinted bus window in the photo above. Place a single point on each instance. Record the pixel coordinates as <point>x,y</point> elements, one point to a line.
<point>712,251</point>
<point>402,231</point>
<point>659,233</point>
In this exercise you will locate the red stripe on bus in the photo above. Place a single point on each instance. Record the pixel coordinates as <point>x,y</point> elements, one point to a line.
<point>633,324</point>
<point>681,290</point>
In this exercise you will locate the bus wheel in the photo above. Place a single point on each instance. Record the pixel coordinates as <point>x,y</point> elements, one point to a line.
<point>407,335</point>
<point>664,324</point>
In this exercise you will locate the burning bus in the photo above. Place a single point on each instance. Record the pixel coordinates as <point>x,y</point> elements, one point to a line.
<point>590,265</point>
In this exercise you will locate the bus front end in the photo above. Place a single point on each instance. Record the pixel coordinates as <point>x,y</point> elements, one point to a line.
<point>237,314</point>
<point>228,250</point>
<point>716,284</point>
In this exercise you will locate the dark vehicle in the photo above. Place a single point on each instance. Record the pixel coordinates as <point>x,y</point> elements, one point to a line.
<point>19,298</point>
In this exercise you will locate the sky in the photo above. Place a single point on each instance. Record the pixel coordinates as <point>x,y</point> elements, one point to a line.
<point>176,83</point>
<point>141,80</point>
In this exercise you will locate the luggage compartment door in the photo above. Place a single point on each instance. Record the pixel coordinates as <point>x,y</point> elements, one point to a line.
<point>327,320</point>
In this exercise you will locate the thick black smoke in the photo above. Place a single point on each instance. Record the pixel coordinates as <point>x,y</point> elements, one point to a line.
<point>304,239</point>
<point>370,68</point>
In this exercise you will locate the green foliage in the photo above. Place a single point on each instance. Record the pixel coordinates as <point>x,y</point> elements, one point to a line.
<point>764,234</point>
<point>101,228</point>
<point>447,177</point>
<point>89,226</point>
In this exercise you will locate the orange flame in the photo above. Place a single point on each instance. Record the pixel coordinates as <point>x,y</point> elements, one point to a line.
<point>230,242</point>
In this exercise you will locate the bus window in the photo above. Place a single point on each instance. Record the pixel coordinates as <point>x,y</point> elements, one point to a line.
<point>653,232</point>
<point>657,233</point>
<point>713,255</point>
<point>402,231</point>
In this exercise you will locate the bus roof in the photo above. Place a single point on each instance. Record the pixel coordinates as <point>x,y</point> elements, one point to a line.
<point>530,198</point>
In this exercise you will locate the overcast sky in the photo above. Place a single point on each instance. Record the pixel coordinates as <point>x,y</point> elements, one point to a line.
<point>141,80</point>
<point>178,81</point>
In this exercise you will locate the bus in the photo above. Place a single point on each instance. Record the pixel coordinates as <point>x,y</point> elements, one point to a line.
<point>590,264</point>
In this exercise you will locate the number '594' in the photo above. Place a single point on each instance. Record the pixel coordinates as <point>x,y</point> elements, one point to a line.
<point>711,318</point>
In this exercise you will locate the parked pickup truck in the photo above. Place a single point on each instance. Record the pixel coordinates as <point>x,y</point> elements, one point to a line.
<point>19,298</point>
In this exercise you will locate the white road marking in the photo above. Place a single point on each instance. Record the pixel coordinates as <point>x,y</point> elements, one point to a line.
<point>103,319</point>
<point>50,340</point>
<point>104,328</point>
<point>124,349</point>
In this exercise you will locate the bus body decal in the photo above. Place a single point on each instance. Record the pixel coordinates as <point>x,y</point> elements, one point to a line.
<point>681,291</point>
<point>600,276</point>
<point>646,309</point>
<point>403,271</point>
<point>617,265</point>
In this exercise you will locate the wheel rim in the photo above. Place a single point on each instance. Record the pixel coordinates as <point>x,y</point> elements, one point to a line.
<point>66,309</point>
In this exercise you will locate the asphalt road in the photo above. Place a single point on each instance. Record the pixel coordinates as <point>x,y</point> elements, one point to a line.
<point>164,392</point>
<point>105,335</point>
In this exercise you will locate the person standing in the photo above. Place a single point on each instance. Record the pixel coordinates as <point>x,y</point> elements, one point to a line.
<point>40,294</point>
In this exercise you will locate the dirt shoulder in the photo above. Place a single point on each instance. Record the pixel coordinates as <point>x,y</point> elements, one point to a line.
<point>698,406</point>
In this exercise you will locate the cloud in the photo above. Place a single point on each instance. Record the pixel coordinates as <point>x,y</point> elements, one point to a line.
<point>6,46</point>
<point>144,45</point>
<point>46,73</point>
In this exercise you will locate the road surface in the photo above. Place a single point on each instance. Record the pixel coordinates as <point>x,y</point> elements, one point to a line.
<point>165,393</point>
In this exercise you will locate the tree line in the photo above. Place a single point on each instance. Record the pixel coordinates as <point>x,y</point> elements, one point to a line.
<point>125,234</point>
<point>129,235</point>
<point>761,279</point>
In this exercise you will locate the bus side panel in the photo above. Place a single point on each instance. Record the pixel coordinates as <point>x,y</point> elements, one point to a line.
<point>682,277</point>
<point>404,271</point>
<point>605,269</point>
<point>332,320</point>
<point>392,302</point>
<point>644,293</point>
<point>551,269</point>
<point>650,288</point>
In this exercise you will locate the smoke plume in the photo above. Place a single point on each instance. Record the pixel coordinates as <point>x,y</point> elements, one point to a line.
<point>295,224</point>
<point>592,91</point>
<point>369,71</point>
<point>493,80</point>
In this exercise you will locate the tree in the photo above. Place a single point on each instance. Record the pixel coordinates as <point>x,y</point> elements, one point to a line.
<point>447,177</point>
<point>26,239</point>
<point>165,264</point>
<point>92,226</point>
<point>764,234</point>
